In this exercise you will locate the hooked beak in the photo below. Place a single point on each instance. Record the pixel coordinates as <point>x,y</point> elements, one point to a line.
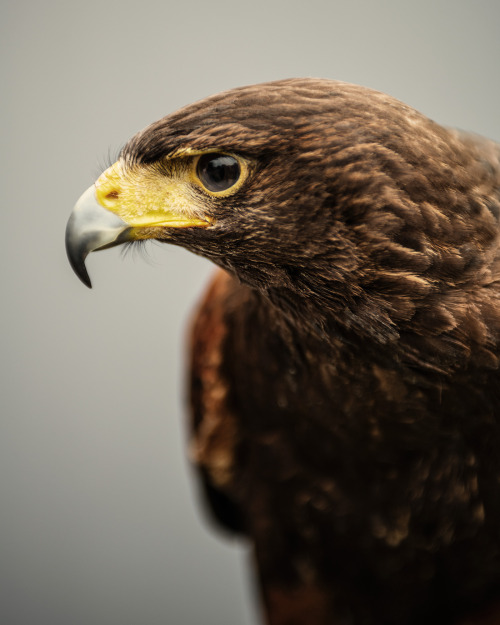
<point>125,206</point>
<point>92,227</point>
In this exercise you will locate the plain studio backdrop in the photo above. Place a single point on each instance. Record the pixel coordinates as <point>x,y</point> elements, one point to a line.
<point>99,517</point>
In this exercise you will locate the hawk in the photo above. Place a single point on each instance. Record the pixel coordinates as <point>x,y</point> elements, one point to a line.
<point>345,390</point>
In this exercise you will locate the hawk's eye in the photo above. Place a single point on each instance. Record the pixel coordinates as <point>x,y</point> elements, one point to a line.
<point>218,172</point>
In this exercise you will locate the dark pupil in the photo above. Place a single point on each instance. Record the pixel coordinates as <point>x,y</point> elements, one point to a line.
<point>218,172</point>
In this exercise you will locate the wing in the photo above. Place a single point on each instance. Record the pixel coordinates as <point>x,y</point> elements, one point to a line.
<point>214,425</point>
<point>215,439</point>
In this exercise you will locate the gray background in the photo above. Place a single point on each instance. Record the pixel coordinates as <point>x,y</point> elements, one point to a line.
<point>99,523</point>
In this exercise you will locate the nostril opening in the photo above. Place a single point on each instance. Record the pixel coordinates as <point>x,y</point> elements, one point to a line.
<point>112,195</point>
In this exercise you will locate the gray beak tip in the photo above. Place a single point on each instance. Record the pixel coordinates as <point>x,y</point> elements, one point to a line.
<point>91,227</point>
<point>76,254</point>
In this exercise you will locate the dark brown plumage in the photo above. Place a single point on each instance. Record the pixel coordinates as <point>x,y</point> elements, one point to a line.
<point>345,365</point>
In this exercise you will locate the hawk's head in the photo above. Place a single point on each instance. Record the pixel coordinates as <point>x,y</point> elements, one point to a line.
<point>333,199</point>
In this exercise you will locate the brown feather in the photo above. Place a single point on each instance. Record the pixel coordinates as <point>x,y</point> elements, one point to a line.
<point>214,426</point>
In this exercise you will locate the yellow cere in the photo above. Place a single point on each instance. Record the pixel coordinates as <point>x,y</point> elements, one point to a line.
<point>146,197</point>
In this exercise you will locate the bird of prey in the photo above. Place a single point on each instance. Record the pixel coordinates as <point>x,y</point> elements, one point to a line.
<point>345,388</point>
